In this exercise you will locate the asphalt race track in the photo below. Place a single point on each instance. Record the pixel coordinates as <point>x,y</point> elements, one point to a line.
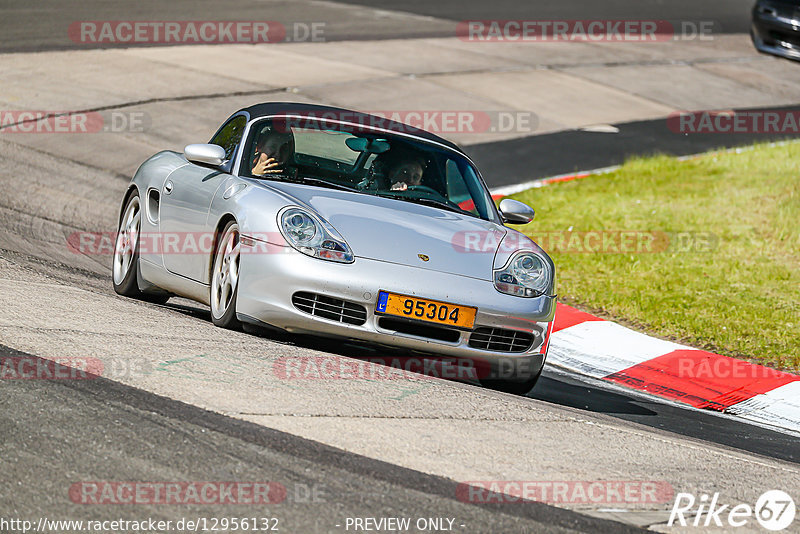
<point>180,400</point>
<point>729,15</point>
<point>148,437</point>
<point>36,27</point>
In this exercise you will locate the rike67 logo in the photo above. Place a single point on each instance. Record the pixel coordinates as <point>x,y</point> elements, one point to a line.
<point>774,510</point>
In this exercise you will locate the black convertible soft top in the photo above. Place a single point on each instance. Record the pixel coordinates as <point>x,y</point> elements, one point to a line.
<point>328,112</point>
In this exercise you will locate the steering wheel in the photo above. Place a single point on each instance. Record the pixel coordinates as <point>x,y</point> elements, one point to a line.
<point>426,189</point>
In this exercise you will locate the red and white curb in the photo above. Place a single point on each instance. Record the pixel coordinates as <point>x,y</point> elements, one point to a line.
<point>503,191</point>
<point>584,344</point>
<point>588,345</point>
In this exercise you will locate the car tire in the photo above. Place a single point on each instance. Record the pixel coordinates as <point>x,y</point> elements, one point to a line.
<point>125,268</point>
<point>515,388</point>
<point>225,278</point>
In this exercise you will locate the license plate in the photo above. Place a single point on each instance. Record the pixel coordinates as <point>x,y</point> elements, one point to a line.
<point>431,311</point>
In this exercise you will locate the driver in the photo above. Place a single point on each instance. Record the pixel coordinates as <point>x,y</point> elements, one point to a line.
<point>406,174</point>
<point>274,148</point>
<point>404,169</point>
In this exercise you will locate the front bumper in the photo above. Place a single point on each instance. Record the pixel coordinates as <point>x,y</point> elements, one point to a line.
<point>778,35</point>
<point>268,282</point>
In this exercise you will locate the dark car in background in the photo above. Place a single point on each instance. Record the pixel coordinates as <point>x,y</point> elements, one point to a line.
<point>776,27</point>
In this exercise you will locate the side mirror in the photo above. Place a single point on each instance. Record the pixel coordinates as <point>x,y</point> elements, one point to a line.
<point>208,154</point>
<point>515,212</point>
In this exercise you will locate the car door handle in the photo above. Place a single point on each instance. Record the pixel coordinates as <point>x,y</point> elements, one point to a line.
<point>168,187</point>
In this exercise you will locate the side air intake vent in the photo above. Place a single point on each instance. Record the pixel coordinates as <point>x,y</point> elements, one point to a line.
<point>500,340</point>
<point>330,308</point>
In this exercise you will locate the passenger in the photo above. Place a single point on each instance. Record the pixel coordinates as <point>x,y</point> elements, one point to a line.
<point>274,149</point>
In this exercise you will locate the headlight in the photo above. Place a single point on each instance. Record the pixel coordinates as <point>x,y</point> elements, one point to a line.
<point>313,236</point>
<point>527,274</point>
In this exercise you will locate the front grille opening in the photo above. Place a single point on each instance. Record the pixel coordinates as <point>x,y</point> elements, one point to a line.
<point>420,330</point>
<point>790,38</point>
<point>500,340</point>
<point>330,308</point>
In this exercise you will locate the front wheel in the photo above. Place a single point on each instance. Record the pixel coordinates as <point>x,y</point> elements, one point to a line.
<point>126,255</point>
<point>515,388</point>
<point>225,278</point>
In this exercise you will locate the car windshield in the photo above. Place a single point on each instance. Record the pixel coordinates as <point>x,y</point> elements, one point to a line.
<point>365,161</point>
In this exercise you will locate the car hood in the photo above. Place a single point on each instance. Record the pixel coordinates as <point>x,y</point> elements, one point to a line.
<point>403,232</point>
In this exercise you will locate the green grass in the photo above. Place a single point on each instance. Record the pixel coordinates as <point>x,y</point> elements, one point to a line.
<point>741,298</point>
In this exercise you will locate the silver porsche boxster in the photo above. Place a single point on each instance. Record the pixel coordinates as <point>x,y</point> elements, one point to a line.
<point>324,221</point>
